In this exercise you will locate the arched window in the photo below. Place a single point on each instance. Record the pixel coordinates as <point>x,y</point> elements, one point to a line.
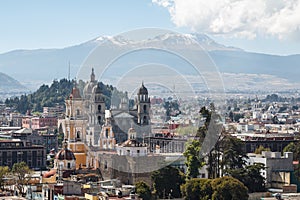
<point>77,112</point>
<point>106,133</point>
<point>145,120</point>
<point>145,108</point>
<point>99,108</point>
<point>99,119</point>
<point>78,135</point>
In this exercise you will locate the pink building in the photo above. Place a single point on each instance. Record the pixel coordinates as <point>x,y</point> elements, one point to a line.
<point>39,122</point>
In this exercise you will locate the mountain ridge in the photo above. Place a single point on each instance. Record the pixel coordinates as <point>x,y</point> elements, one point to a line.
<point>10,87</point>
<point>44,65</point>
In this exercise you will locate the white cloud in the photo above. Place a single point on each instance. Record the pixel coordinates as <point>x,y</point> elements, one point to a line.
<point>242,18</point>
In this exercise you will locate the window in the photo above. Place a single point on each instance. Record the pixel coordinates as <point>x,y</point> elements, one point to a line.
<point>69,165</point>
<point>99,119</point>
<point>145,108</point>
<point>99,108</point>
<point>106,133</point>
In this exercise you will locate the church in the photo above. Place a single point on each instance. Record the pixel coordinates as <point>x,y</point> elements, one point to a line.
<point>92,129</point>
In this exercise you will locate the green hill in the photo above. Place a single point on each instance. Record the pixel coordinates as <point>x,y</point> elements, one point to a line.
<point>48,96</point>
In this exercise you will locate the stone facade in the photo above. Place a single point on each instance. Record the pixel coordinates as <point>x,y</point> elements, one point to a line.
<point>89,123</point>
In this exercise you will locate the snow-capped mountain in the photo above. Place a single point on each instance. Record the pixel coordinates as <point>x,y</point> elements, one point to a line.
<point>31,67</point>
<point>193,40</point>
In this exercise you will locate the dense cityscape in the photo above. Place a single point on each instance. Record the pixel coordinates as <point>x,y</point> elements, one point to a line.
<point>150,99</point>
<point>78,145</point>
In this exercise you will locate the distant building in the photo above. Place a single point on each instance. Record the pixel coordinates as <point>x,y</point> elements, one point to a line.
<point>48,140</point>
<point>42,122</point>
<point>164,144</point>
<point>53,111</point>
<point>15,120</point>
<point>38,122</point>
<point>278,169</point>
<point>132,147</point>
<point>129,169</point>
<point>275,141</point>
<point>15,151</point>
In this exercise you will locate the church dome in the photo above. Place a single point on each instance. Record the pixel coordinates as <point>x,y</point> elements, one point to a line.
<point>65,154</point>
<point>143,90</point>
<point>97,89</point>
<point>88,88</point>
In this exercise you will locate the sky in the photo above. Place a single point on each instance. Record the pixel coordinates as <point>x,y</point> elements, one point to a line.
<point>263,26</point>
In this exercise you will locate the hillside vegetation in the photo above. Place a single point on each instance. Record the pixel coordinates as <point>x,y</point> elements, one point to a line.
<point>48,96</point>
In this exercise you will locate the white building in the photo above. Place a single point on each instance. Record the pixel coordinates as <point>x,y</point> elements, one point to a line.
<point>132,147</point>
<point>278,168</point>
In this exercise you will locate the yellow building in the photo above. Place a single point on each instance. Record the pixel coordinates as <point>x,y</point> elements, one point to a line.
<point>74,126</point>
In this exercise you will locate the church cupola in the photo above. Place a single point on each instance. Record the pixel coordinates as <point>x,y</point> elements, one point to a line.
<point>65,159</point>
<point>143,90</point>
<point>98,104</point>
<point>93,79</point>
<point>143,106</point>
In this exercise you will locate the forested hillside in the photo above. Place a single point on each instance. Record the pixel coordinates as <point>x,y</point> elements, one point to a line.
<point>54,95</point>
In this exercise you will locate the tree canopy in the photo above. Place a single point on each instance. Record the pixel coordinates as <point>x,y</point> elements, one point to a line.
<point>193,160</point>
<point>23,175</point>
<point>250,176</point>
<point>234,155</point>
<point>295,148</point>
<point>227,187</point>
<point>45,96</point>
<point>143,190</point>
<point>55,94</point>
<point>260,149</point>
<point>197,188</point>
<point>4,170</point>
<point>167,181</point>
<point>223,188</point>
